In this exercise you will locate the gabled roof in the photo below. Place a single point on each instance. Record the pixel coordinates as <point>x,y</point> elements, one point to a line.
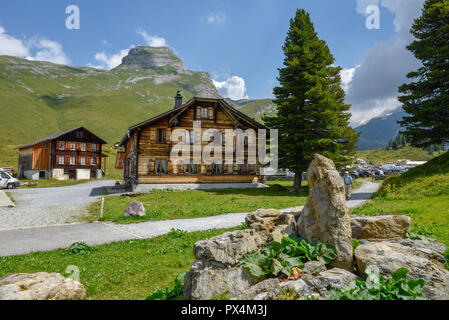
<point>208,96</point>
<point>59,134</point>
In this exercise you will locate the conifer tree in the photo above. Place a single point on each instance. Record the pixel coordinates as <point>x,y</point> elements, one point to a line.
<point>426,98</point>
<point>311,116</point>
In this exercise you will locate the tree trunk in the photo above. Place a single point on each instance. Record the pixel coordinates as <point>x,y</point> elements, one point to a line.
<point>297,183</point>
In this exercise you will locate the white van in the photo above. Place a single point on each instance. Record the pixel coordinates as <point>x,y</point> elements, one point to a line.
<point>6,181</point>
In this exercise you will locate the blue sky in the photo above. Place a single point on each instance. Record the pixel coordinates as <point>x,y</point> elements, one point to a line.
<point>232,40</point>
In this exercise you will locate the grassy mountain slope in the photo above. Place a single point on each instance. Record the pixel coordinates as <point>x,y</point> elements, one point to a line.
<point>254,108</point>
<point>421,193</point>
<point>381,156</point>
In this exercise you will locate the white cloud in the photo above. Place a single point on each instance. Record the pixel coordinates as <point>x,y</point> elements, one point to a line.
<point>233,88</point>
<point>37,48</point>
<point>110,61</point>
<point>152,40</point>
<point>373,88</point>
<point>346,77</point>
<point>217,18</point>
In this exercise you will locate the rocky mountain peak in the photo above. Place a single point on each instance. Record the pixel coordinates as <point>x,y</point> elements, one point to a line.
<point>151,58</point>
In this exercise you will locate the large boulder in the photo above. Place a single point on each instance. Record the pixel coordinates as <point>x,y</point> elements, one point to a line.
<point>271,223</point>
<point>379,227</point>
<point>326,280</point>
<point>40,286</point>
<point>325,216</point>
<point>228,248</point>
<point>423,259</point>
<point>135,209</point>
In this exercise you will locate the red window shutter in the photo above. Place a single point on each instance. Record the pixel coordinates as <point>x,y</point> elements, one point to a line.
<point>67,145</point>
<point>67,159</point>
<point>88,161</point>
<point>78,146</point>
<point>89,147</point>
<point>78,160</point>
<point>98,161</point>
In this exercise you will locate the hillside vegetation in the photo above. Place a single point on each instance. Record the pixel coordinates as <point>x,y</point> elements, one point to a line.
<point>421,193</point>
<point>381,156</point>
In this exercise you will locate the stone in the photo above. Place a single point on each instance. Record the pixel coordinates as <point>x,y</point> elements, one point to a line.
<point>270,223</point>
<point>152,58</point>
<point>423,259</point>
<point>228,248</point>
<point>325,216</point>
<point>40,286</point>
<point>312,269</point>
<point>326,280</point>
<point>379,227</point>
<point>135,209</point>
<point>298,286</point>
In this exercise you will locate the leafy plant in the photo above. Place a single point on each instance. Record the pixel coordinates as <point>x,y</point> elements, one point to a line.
<point>376,287</point>
<point>223,296</point>
<point>79,248</point>
<point>176,233</point>
<point>243,226</point>
<point>355,244</point>
<point>417,232</point>
<point>170,293</point>
<point>280,258</point>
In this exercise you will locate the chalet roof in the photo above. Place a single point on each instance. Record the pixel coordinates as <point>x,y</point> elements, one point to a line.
<point>57,135</point>
<point>200,96</point>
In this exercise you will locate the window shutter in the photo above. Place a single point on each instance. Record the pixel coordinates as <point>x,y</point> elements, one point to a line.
<point>210,113</point>
<point>153,133</point>
<point>98,161</point>
<point>88,160</point>
<point>67,145</point>
<point>67,159</point>
<point>78,146</point>
<point>89,147</point>
<point>168,134</point>
<point>198,113</point>
<point>98,147</point>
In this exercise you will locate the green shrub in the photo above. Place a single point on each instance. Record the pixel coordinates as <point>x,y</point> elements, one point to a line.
<point>79,248</point>
<point>170,293</point>
<point>446,256</point>
<point>280,258</point>
<point>377,288</point>
<point>176,233</point>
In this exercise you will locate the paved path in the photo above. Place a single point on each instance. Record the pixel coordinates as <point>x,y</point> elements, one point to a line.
<point>15,242</point>
<point>4,200</point>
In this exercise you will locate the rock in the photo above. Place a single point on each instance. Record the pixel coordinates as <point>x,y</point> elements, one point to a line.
<point>270,223</point>
<point>325,216</point>
<point>228,248</point>
<point>423,259</point>
<point>298,286</point>
<point>150,58</point>
<point>135,209</point>
<point>207,283</point>
<point>40,286</point>
<point>312,269</point>
<point>379,227</point>
<point>334,278</point>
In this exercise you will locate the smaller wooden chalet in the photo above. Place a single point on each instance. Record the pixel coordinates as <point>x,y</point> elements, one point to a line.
<point>147,146</point>
<point>74,154</point>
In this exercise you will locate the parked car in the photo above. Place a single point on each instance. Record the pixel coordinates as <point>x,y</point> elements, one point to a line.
<point>6,181</point>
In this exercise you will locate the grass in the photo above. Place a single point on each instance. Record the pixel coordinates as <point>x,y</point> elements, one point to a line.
<point>169,205</point>
<point>118,271</point>
<point>381,156</point>
<point>421,193</point>
<point>50,183</point>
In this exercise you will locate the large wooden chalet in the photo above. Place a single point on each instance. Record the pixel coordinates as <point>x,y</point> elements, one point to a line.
<point>74,154</point>
<point>147,146</point>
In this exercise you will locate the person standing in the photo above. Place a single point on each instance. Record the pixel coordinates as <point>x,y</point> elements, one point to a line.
<point>373,176</point>
<point>347,179</point>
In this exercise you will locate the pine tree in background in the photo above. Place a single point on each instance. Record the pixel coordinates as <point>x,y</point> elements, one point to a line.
<point>311,114</point>
<point>427,99</point>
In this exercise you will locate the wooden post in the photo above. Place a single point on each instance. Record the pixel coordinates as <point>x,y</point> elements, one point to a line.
<point>102,207</point>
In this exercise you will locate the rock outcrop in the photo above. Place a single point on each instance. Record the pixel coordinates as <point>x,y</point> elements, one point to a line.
<point>423,259</point>
<point>325,216</point>
<point>135,209</point>
<point>326,280</point>
<point>152,57</point>
<point>270,223</point>
<point>40,286</point>
<point>380,227</point>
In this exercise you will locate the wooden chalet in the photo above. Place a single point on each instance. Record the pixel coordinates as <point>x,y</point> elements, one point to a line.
<point>147,146</point>
<point>71,154</point>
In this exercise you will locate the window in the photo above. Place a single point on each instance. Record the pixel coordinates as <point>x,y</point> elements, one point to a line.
<point>190,136</point>
<point>160,135</point>
<point>83,161</point>
<point>216,167</point>
<point>61,145</point>
<point>61,159</point>
<point>161,166</point>
<point>46,146</point>
<point>79,134</point>
<point>72,146</point>
<point>94,147</point>
<point>83,147</point>
<point>190,167</point>
<point>4,175</point>
<point>72,160</point>
<point>203,113</point>
<point>93,161</point>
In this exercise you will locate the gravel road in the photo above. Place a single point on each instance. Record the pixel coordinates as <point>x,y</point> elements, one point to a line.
<point>51,206</point>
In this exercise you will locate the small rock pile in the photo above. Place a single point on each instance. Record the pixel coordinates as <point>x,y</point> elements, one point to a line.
<point>324,218</point>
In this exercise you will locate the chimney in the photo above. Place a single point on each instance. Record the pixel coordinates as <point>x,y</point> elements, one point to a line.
<point>178,99</point>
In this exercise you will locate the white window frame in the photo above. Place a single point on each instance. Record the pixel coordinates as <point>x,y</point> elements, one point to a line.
<point>83,147</point>
<point>93,147</point>
<point>93,161</point>
<point>61,145</point>
<point>61,160</point>
<point>204,113</point>
<point>83,161</point>
<point>72,146</point>
<point>72,160</point>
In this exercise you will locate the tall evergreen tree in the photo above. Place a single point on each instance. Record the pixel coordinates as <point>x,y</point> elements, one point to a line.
<point>427,99</point>
<point>311,114</point>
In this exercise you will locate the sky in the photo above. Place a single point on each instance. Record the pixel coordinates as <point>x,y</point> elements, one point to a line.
<point>238,42</point>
